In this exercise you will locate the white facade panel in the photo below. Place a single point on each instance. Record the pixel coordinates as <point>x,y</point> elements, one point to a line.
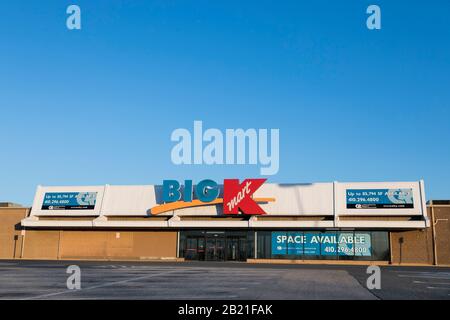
<point>35,222</point>
<point>130,224</point>
<point>208,224</point>
<point>41,192</point>
<point>290,224</point>
<point>341,198</point>
<point>382,224</point>
<point>129,200</point>
<point>297,199</point>
<point>209,210</point>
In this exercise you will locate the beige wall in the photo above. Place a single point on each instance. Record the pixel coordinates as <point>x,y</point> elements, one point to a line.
<point>155,244</point>
<point>441,219</point>
<point>41,244</point>
<point>72,244</point>
<point>428,246</point>
<point>80,244</point>
<point>413,247</point>
<point>10,235</point>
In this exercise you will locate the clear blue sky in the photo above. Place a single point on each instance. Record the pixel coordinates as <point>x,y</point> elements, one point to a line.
<point>97,106</point>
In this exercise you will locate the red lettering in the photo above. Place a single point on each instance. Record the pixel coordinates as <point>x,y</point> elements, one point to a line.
<point>239,196</point>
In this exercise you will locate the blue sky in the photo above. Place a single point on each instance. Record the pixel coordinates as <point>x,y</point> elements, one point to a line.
<point>98,105</point>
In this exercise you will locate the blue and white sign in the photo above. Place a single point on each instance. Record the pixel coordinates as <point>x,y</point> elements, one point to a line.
<point>379,198</point>
<point>69,201</point>
<point>329,244</point>
<point>346,244</point>
<point>325,244</point>
<point>312,244</point>
<point>363,245</point>
<point>287,243</point>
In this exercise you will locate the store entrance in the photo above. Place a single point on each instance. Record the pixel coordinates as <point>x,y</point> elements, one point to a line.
<point>215,249</point>
<point>214,246</point>
<point>236,249</point>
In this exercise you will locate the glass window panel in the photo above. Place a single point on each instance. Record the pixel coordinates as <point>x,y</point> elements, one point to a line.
<point>279,243</point>
<point>363,244</point>
<point>264,244</point>
<point>380,246</point>
<point>329,244</point>
<point>295,244</point>
<point>312,245</point>
<point>345,245</point>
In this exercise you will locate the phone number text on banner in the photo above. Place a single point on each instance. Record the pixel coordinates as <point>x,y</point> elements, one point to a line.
<point>379,198</point>
<point>321,244</point>
<point>69,201</point>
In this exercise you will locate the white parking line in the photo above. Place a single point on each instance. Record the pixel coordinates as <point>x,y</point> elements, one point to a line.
<point>424,276</point>
<point>428,272</point>
<point>101,285</point>
<point>425,282</point>
<point>439,288</point>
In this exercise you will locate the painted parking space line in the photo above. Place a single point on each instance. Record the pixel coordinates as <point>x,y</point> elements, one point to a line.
<point>183,271</point>
<point>424,276</point>
<point>420,272</point>
<point>425,282</point>
<point>439,288</point>
<point>99,286</point>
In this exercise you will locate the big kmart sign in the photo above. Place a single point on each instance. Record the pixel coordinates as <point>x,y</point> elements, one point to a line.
<point>237,197</point>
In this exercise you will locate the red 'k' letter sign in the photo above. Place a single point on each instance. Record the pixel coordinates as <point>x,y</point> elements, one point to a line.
<point>239,196</point>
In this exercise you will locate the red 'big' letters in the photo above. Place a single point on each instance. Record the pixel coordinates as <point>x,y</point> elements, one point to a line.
<point>239,196</point>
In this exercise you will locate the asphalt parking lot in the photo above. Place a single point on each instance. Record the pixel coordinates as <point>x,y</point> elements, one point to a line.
<point>31,280</point>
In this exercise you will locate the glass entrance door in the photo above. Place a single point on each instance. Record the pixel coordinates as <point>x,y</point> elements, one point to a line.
<point>215,248</point>
<point>232,249</point>
<point>242,249</point>
<point>195,248</point>
<point>236,249</point>
<point>215,245</point>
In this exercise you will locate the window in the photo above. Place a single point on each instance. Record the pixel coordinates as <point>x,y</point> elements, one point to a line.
<point>326,245</point>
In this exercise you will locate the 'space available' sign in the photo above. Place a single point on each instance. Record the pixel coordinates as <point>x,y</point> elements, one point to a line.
<point>321,244</point>
<point>69,201</point>
<point>380,198</point>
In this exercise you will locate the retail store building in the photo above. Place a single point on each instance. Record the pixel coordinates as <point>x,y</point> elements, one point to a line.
<point>382,222</point>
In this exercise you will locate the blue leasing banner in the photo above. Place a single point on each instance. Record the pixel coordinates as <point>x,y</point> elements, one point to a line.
<point>282,242</point>
<point>295,244</point>
<point>69,201</point>
<point>329,244</point>
<point>379,198</point>
<point>363,245</point>
<point>312,244</point>
<point>345,244</point>
<point>325,244</point>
